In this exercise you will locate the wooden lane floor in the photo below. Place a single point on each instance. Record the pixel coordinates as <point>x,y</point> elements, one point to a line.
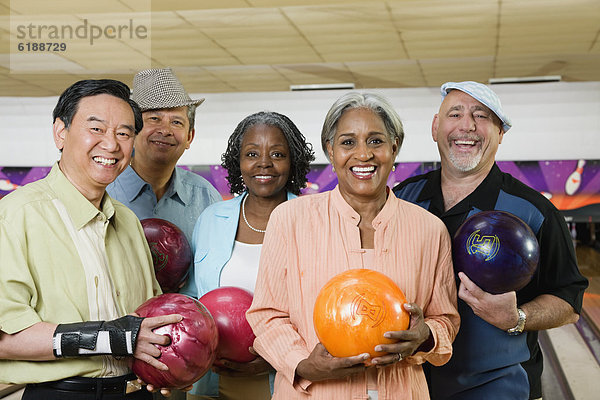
<point>572,352</point>
<point>588,259</point>
<point>11,392</point>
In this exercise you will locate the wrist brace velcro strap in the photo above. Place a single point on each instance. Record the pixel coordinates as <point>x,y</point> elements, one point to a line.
<point>91,338</point>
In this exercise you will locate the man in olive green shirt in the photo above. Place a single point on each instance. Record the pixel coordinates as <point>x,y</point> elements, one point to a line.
<point>70,255</point>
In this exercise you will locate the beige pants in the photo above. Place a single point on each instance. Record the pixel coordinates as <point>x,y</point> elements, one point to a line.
<point>247,388</point>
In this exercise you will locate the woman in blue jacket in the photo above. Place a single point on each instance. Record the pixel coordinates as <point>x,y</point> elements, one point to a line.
<point>267,159</point>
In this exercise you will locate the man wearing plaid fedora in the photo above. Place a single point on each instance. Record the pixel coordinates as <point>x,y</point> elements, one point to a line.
<point>152,186</point>
<point>496,354</point>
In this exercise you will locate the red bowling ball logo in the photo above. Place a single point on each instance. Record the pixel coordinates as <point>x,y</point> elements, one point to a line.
<point>487,245</point>
<point>158,259</point>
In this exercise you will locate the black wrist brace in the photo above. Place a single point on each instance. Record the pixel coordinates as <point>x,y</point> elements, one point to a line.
<point>81,338</point>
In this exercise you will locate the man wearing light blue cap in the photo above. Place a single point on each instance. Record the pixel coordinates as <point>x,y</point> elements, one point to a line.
<point>496,353</point>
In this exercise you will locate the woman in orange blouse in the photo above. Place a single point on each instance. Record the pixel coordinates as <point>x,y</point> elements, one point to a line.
<point>359,224</point>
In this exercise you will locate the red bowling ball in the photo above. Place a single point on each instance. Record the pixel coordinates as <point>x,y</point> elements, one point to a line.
<point>496,250</point>
<point>228,306</point>
<point>171,252</point>
<point>193,342</point>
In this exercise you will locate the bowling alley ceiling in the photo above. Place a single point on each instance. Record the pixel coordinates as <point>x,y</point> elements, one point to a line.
<point>268,45</point>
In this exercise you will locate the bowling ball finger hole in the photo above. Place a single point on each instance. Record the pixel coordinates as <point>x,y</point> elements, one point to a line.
<point>169,340</point>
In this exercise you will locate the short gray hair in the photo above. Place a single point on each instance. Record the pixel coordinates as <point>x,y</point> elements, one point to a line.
<point>371,101</point>
<point>191,115</point>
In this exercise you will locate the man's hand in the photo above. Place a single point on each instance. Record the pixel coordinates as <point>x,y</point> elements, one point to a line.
<point>499,310</point>
<point>163,391</point>
<point>320,365</point>
<point>146,349</point>
<point>258,366</point>
<point>408,341</point>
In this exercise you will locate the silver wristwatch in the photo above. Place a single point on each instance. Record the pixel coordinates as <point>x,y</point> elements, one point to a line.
<point>517,330</point>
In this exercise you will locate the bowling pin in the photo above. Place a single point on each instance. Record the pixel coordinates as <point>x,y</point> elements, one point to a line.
<point>574,234</point>
<point>312,186</point>
<point>7,185</point>
<point>574,180</point>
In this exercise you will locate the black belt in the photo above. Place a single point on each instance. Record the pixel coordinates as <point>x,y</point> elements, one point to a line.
<point>119,385</point>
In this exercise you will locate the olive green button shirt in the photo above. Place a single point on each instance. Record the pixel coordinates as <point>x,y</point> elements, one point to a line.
<point>42,277</point>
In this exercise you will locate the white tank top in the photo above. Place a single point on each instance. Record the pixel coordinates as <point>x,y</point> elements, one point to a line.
<point>242,268</point>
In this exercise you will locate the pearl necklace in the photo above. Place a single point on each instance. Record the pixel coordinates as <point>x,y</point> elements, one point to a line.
<point>245,220</point>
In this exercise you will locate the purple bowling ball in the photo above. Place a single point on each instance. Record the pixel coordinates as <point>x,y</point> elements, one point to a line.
<point>496,250</point>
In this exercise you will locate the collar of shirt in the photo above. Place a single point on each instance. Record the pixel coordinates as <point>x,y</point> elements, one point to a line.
<point>80,209</point>
<point>231,208</point>
<point>133,185</point>
<point>177,189</point>
<point>347,212</point>
<point>483,197</point>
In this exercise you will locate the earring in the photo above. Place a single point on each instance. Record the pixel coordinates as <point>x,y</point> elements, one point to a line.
<point>332,168</point>
<point>393,167</point>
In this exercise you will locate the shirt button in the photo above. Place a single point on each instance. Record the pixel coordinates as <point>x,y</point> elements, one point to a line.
<point>118,293</point>
<point>99,218</point>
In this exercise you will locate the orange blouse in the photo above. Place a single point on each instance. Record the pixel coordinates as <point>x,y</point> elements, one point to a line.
<point>312,238</point>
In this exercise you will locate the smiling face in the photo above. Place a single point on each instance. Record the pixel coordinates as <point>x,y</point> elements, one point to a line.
<point>165,136</point>
<point>362,154</point>
<point>467,134</point>
<point>97,146</point>
<point>265,161</point>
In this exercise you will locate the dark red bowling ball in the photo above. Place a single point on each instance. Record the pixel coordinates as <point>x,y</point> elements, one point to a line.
<point>171,252</point>
<point>496,250</point>
<point>193,342</point>
<point>228,306</point>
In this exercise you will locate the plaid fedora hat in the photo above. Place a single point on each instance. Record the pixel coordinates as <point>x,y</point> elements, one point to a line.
<point>154,89</point>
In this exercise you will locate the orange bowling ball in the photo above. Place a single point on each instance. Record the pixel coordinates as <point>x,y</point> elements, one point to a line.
<point>355,308</point>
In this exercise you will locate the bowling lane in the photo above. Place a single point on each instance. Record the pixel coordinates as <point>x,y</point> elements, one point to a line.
<point>588,259</point>
<point>572,352</point>
<point>11,392</point>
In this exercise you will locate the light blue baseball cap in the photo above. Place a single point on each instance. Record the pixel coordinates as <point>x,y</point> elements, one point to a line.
<point>483,94</point>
